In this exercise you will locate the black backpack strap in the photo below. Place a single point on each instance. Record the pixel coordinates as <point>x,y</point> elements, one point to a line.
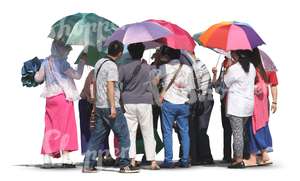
<point>198,90</point>
<point>134,74</point>
<point>108,59</point>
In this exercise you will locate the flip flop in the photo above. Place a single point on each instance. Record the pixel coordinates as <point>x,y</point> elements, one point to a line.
<point>265,163</point>
<point>241,165</point>
<point>252,165</point>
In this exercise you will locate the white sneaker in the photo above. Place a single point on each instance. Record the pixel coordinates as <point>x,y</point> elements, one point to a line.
<point>67,162</point>
<point>47,162</point>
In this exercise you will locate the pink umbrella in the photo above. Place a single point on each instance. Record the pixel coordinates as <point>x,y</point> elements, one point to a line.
<point>180,39</point>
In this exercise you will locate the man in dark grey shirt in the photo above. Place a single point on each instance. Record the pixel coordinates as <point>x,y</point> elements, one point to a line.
<point>138,99</point>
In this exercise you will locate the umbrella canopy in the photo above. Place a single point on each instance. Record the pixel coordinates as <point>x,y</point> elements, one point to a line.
<point>267,62</point>
<point>230,36</point>
<point>196,38</point>
<point>93,55</point>
<point>86,29</point>
<point>138,32</point>
<point>179,39</point>
<point>217,50</point>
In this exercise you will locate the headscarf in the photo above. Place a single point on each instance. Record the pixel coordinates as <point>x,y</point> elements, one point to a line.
<point>60,50</point>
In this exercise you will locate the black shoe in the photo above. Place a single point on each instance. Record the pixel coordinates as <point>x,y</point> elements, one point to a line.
<point>207,162</point>
<point>108,161</point>
<point>68,165</point>
<point>117,162</point>
<point>168,165</point>
<point>182,164</point>
<point>129,169</point>
<point>227,160</point>
<point>144,161</point>
<point>237,165</point>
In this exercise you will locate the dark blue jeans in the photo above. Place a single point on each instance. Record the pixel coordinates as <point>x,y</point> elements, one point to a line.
<point>180,113</point>
<point>103,125</point>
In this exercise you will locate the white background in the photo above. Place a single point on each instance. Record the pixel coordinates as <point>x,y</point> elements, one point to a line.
<point>23,35</point>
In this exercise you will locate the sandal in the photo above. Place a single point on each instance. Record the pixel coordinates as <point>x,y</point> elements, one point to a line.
<point>241,164</point>
<point>265,163</point>
<point>155,167</point>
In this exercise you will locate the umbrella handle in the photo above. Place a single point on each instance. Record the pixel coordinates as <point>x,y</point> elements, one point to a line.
<point>218,60</point>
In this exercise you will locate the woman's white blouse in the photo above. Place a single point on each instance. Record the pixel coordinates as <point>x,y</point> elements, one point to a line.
<point>240,97</point>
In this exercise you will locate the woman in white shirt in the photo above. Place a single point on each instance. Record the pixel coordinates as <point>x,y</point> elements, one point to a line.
<point>240,79</point>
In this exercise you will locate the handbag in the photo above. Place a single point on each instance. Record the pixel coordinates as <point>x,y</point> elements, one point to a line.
<point>197,108</point>
<point>219,85</point>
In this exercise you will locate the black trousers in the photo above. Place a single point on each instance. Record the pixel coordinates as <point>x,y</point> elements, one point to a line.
<point>227,133</point>
<point>200,147</point>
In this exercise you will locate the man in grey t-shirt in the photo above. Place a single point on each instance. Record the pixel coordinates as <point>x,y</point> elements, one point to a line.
<point>138,100</point>
<point>109,114</point>
<point>108,72</point>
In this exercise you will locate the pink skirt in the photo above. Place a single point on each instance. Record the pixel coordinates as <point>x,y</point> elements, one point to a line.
<point>60,126</point>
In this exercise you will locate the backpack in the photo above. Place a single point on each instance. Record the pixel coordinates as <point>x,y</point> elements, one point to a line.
<point>28,71</point>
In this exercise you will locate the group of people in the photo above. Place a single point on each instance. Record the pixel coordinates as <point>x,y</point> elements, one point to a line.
<point>129,99</point>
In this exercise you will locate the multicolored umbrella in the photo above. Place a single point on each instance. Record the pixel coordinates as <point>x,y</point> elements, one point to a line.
<point>180,38</point>
<point>267,62</point>
<point>230,36</point>
<point>139,32</point>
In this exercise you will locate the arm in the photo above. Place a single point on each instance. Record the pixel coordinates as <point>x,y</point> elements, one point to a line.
<point>273,84</point>
<point>214,71</point>
<point>111,98</point>
<point>40,75</point>
<point>274,96</point>
<point>112,78</point>
<point>75,74</point>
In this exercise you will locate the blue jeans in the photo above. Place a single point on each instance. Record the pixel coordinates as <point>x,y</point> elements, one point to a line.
<point>103,125</point>
<point>180,113</point>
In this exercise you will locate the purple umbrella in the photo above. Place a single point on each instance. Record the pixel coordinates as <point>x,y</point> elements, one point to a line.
<point>267,62</point>
<point>138,32</point>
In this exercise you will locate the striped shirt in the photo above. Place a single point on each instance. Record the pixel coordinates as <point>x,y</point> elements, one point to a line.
<point>203,78</point>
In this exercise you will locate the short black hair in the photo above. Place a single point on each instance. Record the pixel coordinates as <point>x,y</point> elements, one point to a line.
<point>115,47</point>
<point>136,50</point>
<point>170,52</point>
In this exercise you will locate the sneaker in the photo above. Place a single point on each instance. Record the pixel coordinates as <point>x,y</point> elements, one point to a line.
<point>129,169</point>
<point>47,162</point>
<point>67,162</point>
<point>108,161</point>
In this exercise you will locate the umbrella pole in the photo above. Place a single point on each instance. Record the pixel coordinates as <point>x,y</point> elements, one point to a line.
<point>218,60</point>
